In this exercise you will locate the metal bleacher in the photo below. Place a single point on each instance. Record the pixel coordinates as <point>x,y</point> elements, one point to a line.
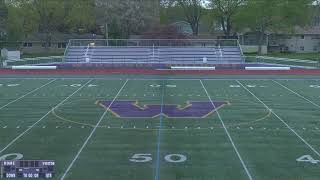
<point>154,53</point>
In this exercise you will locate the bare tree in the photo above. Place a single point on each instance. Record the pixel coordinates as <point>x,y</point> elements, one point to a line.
<point>163,32</point>
<point>131,16</point>
<point>193,11</point>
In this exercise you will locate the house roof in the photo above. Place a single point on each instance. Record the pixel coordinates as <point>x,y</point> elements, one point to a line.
<point>315,30</point>
<point>308,30</point>
<point>61,37</point>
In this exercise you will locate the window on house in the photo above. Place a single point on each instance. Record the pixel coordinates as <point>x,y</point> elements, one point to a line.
<point>44,44</point>
<point>27,44</point>
<point>315,48</point>
<point>302,48</point>
<point>302,37</point>
<point>316,21</point>
<point>62,45</point>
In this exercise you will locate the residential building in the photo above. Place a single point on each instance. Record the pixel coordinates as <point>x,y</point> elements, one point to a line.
<point>58,43</point>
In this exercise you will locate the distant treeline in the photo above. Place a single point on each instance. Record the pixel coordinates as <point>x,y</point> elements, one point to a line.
<point>122,18</point>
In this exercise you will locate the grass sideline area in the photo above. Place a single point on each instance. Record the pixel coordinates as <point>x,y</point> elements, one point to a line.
<point>36,55</point>
<point>303,56</point>
<point>268,129</point>
<point>306,56</point>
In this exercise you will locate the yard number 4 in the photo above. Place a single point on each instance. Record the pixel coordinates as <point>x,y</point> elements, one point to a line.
<point>315,86</point>
<point>308,159</point>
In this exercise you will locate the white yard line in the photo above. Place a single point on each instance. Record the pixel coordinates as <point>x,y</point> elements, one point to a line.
<point>24,132</point>
<point>159,135</point>
<point>294,92</point>
<point>292,130</point>
<point>92,132</point>
<point>27,94</point>
<point>228,134</point>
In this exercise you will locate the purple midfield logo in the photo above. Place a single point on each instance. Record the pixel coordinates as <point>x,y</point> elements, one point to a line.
<point>131,109</point>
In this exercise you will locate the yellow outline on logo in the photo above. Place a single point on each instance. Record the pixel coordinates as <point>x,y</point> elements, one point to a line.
<point>144,107</point>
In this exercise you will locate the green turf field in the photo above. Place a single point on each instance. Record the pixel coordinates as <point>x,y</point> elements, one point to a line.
<point>269,130</point>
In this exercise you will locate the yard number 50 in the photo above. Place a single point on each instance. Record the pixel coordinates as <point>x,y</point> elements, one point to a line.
<point>172,158</point>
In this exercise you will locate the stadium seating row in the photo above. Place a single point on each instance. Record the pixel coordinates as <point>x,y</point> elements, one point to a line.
<point>159,55</point>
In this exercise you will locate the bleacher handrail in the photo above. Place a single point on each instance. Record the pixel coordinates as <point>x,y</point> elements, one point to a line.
<point>152,46</point>
<point>151,42</point>
<point>66,50</point>
<point>240,48</point>
<point>157,39</point>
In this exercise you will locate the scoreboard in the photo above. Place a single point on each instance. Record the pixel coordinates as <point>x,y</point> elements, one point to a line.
<point>27,169</point>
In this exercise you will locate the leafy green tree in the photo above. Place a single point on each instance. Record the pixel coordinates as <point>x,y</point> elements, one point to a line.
<point>193,11</point>
<point>317,4</point>
<point>18,22</point>
<point>3,14</point>
<point>274,15</point>
<point>14,26</point>
<point>171,14</point>
<point>225,12</point>
<point>80,17</point>
<point>114,31</point>
<point>49,15</point>
<point>164,18</point>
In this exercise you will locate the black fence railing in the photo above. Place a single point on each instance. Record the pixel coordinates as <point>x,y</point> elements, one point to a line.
<point>154,42</point>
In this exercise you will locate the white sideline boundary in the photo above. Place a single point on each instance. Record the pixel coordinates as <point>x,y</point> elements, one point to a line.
<point>24,132</point>
<point>192,68</point>
<point>27,94</point>
<point>299,95</point>
<point>34,67</point>
<point>205,78</point>
<point>289,127</point>
<point>92,132</point>
<point>268,68</point>
<point>228,134</point>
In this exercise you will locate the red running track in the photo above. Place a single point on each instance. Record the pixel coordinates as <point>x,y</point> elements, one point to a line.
<point>162,72</point>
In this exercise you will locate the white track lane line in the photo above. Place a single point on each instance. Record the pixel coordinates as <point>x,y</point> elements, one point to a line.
<point>92,132</point>
<point>228,134</point>
<point>159,79</point>
<point>292,130</point>
<point>30,127</point>
<point>294,92</point>
<point>27,94</point>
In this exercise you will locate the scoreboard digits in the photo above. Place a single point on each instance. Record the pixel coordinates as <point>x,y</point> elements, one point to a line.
<point>27,169</point>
